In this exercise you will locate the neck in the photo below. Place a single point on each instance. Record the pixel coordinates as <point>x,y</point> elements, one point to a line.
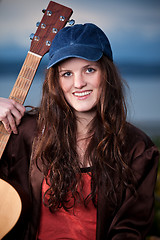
<point>84,121</point>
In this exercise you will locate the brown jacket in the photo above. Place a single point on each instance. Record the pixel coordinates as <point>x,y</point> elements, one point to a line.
<point>130,219</point>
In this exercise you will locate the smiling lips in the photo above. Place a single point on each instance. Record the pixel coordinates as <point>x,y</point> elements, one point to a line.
<point>82,94</point>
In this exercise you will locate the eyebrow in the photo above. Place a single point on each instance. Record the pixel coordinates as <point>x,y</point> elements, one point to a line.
<point>92,64</point>
<point>86,66</point>
<point>64,70</point>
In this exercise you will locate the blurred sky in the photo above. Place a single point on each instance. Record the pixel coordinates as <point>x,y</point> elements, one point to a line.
<point>133,27</point>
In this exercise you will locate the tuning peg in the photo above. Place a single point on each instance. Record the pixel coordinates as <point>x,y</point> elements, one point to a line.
<point>49,13</point>
<point>36,38</point>
<point>31,36</point>
<point>48,43</point>
<point>71,22</point>
<point>62,18</point>
<point>37,24</point>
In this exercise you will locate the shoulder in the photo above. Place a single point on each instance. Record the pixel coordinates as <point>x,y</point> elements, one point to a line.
<point>26,131</point>
<point>142,151</point>
<point>28,126</point>
<point>134,135</point>
<point>29,121</point>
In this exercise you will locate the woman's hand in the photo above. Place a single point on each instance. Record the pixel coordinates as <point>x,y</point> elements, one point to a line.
<point>11,113</point>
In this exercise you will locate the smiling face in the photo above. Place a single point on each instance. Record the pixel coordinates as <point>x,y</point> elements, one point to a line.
<point>80,81</point>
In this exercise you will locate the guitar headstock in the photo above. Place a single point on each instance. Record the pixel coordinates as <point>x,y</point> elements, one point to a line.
<point>55,17</point>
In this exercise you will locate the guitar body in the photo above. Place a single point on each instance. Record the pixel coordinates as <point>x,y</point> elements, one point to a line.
<point>55,17</point>
<point>10,207</point>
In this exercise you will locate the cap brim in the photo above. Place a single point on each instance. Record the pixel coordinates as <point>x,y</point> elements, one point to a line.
<point>79,51</point>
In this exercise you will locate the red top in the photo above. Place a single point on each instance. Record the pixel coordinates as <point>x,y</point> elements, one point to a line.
<point>68,225</point>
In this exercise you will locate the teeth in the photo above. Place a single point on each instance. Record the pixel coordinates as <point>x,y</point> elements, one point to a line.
<point>82,93</point>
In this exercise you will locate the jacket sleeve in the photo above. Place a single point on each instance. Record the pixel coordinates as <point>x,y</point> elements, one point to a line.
<point>135,216</point>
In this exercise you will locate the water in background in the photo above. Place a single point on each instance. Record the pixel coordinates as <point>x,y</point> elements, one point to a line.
<point>143,95</point>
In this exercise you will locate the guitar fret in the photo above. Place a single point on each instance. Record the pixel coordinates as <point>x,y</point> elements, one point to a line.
<point>3,141</point>
<point>15,98</point>
<point>4,133</point>
<point>25,78</point>
<point>29,67</point>
<point>19,88</point>
<point>27,71</point>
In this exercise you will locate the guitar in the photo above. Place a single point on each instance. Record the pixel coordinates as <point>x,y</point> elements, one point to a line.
<point>55,17</point>
<point>10,207</point>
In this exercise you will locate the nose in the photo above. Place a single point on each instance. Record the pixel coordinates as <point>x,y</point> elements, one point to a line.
<point>79,81</point>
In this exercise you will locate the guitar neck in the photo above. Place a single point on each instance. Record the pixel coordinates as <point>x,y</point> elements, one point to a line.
<point>25,77</point>
<point>55,18</point>
<point>4,136</point>
<point>20,89</point>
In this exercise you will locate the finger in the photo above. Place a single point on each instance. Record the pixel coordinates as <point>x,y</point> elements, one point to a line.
<point>10,123</point>
<point>11,114</point>
<point>17,116</point>
<point>17,110</point>
<point>18,106</point>
<point>6,125</point>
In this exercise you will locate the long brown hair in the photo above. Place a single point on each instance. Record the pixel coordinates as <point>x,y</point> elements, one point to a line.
<point>56,140</point>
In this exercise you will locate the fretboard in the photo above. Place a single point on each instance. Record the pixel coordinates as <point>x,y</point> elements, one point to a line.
<point>20,90</point>
<point>25,77</point>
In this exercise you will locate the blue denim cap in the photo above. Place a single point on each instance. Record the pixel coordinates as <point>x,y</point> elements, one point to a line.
<point>86,41</point>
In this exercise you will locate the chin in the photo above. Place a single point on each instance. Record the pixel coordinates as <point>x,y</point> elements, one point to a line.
<point>86,110</point>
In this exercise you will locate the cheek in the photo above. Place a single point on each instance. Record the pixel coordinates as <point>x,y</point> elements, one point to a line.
<point>98,81</point>
<point>98,84</point>
<point>65,85</point>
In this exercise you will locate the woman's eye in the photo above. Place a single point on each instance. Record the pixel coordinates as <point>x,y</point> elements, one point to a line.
<point>67,74</point>
<point>90,70</point>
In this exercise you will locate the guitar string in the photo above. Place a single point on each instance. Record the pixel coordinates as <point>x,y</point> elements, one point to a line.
<point>27,73</point>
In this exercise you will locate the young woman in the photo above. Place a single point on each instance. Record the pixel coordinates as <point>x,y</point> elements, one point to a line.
<point>82,171</point>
